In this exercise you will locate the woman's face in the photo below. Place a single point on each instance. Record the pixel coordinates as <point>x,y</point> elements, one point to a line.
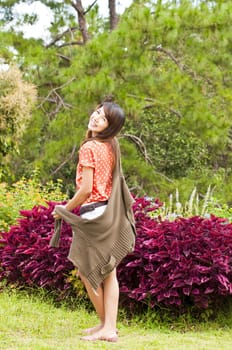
<point>98,121</point>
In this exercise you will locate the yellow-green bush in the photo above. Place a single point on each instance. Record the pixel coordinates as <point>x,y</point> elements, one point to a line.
<point>24,194</point>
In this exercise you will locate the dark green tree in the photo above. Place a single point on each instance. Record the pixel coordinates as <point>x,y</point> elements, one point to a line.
<point>167,63</point>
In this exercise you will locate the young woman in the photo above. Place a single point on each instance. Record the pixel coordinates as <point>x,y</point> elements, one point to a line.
<point>104,233</point>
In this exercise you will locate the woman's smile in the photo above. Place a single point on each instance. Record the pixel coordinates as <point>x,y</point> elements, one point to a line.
<point>98,121</point>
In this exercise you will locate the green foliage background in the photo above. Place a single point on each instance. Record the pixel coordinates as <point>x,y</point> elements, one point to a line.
<point>25,194</point>
<point>167,63</point>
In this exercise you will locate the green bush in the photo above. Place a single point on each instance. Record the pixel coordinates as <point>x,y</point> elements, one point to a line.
<point>25,194</point>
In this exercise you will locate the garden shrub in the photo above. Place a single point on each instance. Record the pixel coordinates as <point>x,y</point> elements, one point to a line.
<point>25,193</point>
<point>25,255</point>
<point>187,261</point>
<point>184,262</point>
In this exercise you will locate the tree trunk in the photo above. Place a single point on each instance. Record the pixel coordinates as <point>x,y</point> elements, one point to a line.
<point>81,19</point>
<point>113,14</point>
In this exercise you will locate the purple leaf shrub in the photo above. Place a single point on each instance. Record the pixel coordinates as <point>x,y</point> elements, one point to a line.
<point>188,260</point>
<point>25,255</point>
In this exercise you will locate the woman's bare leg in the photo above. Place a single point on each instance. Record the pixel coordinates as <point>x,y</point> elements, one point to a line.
<point>97,299</point>
<point>110,301</point>
<point>111,297</point>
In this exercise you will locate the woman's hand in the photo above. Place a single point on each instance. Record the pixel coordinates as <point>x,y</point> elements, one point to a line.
<point>55,216</point>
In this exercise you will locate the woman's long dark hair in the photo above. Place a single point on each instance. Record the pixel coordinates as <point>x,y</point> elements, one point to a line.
<point>116,119</point>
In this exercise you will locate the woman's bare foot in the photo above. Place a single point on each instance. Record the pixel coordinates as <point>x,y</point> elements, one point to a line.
<point>92,330</point>
<point>104,336</point>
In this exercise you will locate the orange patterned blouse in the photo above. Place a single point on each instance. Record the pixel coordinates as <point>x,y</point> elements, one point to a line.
<point>99,156</point>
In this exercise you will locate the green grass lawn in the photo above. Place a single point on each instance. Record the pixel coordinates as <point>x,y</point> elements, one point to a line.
<point>32,323</point>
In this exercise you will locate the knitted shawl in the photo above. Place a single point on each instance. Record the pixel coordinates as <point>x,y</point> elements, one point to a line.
<point>98,245</point>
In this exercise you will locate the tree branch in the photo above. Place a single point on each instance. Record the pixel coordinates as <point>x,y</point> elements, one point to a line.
<point>159,48</point>
<point>89,8</point>
<point>66,58</point>
<point>71,43</point>
<point>77,5</point>
<point>65,161</point>
<point>113,14</point>
<point>139,143</point>
<point>177,113</point>
<point>57,99</point>
<point>60,36</point>
<point>142,148</point>
<point>182,67</point>
<point>151,105</point>
<point>149,99</point>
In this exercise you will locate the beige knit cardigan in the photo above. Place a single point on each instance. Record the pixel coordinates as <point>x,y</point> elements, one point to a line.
<point>98,245</point>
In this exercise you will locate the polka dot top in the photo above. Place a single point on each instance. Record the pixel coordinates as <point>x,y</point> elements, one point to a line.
<point>99,156</point>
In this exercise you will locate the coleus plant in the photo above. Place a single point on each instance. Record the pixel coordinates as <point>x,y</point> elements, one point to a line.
<point>25,255</point>
<point>189,259</point>
<point>186,260</point>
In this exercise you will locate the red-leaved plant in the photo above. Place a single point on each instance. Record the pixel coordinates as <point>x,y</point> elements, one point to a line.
<point>187,260</point>
<point>25,255</point>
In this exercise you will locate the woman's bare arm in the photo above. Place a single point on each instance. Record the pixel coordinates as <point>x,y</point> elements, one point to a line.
<point>82,193</point>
